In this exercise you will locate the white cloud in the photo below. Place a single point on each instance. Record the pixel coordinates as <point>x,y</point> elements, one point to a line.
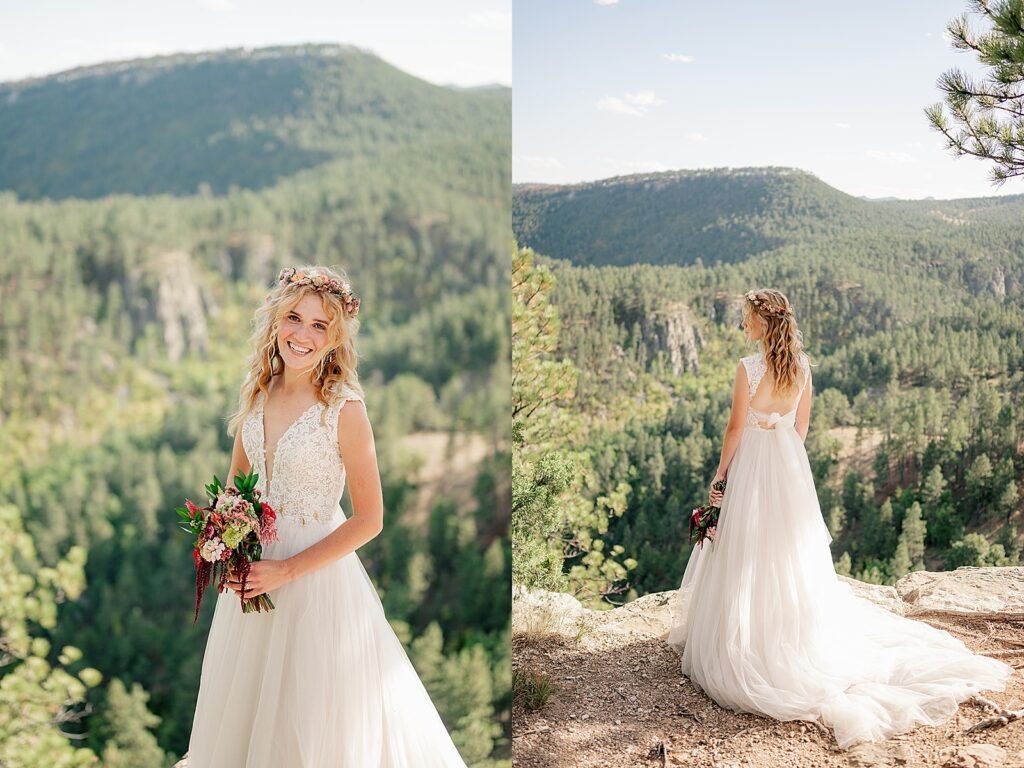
<point>632,104</point>
<point>606,2</point>
<point>890,157</point>
<point>843,126</point>
<point>540,163</point>
<point>490,21</point>
<point>696,137</point>
<point>615,104</point>
<point>5,52</point>
<point>680,58</point>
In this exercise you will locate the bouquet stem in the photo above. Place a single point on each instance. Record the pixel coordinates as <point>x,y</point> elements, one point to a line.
<point>258,604</point>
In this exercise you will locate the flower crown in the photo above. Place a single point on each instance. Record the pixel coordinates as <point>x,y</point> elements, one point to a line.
<point>322,283</point>
<point>763,305</point>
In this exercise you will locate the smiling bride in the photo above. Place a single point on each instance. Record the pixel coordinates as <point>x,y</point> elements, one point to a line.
<point>322,679</point>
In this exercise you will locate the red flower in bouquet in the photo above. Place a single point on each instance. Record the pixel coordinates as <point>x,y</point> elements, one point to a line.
<point>230,532</point>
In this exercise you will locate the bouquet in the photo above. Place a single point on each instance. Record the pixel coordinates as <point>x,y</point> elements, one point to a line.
<point>704,520</point>
<point>231,531</point>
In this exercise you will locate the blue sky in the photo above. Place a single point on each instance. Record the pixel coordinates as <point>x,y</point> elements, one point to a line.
<point>461,42</point>
<point>603,88</point>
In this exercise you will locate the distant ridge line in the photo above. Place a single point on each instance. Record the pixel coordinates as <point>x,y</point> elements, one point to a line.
<point>161,60</point>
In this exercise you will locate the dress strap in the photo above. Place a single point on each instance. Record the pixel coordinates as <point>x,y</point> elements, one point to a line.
<point>342,393</point>
<point>805,366</point>
<point>756,368</point>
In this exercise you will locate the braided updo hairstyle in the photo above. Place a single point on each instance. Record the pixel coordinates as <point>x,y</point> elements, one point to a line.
<point>781,342</point>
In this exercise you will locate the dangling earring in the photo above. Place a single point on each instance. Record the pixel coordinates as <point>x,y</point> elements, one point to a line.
<point>275,357</point>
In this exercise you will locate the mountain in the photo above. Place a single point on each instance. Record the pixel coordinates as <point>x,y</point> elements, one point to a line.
<point>235,118</point>
<point>720,215</point>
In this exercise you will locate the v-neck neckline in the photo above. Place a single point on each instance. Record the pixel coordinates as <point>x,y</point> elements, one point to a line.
<point>272,465</point>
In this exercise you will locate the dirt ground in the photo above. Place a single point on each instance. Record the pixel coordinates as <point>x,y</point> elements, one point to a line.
<point>627,704</point>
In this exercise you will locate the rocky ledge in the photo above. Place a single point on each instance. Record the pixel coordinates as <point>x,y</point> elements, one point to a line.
<point>601,688</point>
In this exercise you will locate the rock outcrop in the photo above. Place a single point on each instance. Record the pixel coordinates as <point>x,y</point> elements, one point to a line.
<point>180,307</point>
<point>617,696</point>
<point>674,331</point>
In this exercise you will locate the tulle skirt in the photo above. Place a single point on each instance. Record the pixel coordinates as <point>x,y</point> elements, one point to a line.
<point>764,625</point>
<point>320,681</point>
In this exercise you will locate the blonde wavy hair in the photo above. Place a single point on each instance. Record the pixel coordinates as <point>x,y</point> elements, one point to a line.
<point>782,341</point>
<point>336,362</point>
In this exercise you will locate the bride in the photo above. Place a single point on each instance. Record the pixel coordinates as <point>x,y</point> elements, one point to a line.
<point>762,621</point>
<point>322,680</point>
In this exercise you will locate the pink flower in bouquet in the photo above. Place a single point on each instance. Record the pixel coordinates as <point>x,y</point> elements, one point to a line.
<point>268,523</point>
<point>232,506</point>
<point>268,531</point>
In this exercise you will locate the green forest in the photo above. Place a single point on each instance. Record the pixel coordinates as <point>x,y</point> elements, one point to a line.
<point>629,293</point>
<point>148,206</point>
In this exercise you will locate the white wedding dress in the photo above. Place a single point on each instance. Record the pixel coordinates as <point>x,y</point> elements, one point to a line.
<point>321,681</point>
<point>764,625</point>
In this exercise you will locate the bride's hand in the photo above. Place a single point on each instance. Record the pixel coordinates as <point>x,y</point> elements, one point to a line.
<point>264,576</point>
<point>714,495</point>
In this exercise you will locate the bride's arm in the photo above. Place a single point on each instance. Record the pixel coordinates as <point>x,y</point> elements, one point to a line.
<point>239,461</point>
<point>734,430</point>
<point>355,438</point>
<point>803,410</point>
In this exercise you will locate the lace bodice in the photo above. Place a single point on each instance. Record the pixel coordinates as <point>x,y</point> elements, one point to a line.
<point>308,476</point>
<point>756,368</point>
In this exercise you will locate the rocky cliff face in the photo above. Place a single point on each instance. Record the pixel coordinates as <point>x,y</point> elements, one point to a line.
<point>618,696</point>
<point>674,331</point>
<point>180,306</point>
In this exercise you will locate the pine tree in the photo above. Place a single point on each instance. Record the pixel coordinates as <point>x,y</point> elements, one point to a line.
<point>987,115</point>
<point>899,565</point>
<point>126,724</point>
<point>461,687</point>
<point>979,487</point>
<point>843,564</point>
<point>1012,544</point>
<point>540,476</point>
<point>933,487</point>
<point>912,537</point>
<point>37,700</point>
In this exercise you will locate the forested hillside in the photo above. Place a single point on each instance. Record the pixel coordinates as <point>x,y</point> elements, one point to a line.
<point>204,123</point>
<point>912,313</point>
<point>123,328</point>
